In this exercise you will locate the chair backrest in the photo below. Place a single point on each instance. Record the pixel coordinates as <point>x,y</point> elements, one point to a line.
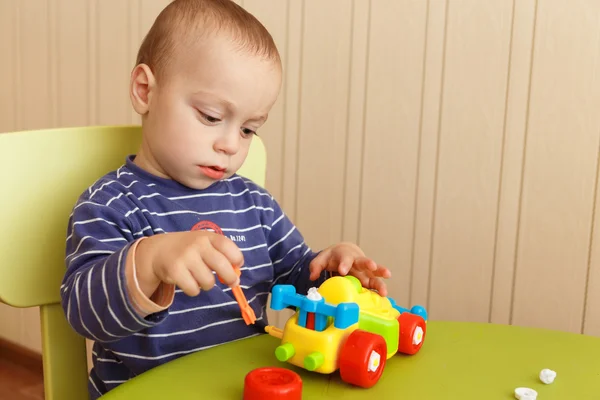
<point>42,173</point>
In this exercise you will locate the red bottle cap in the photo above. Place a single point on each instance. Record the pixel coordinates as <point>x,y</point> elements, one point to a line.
<point>272,383</point>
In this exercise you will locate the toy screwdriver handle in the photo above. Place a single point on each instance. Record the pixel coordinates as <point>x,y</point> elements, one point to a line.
<point>247,312</point>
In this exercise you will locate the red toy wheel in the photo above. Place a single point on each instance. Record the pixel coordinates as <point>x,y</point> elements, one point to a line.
<point>362,358</point>
<point>272,383</point>
<point>412,333</point>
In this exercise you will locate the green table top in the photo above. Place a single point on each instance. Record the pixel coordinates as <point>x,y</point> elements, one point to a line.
<point>457,361</point>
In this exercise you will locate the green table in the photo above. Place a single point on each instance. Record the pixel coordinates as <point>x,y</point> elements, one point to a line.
<point>457,361</point>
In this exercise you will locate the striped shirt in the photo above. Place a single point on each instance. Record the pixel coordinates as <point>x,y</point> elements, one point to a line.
<point>129,203</point>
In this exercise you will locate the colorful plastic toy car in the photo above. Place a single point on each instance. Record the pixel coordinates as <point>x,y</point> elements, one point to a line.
<point>342,325</point>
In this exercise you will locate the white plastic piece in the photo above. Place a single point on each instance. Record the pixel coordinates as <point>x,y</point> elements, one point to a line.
<point>313,294</point>
<point>418,336</point>
<point>547,376</point>
<point>374,361</point>
<point>523,393</point>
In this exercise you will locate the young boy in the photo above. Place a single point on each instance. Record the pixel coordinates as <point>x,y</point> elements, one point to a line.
<point>207,75</point>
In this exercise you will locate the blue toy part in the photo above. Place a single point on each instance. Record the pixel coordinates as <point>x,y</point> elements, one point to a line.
<point>420,311</point>
<point>344,314</point>
<point>417,310</point>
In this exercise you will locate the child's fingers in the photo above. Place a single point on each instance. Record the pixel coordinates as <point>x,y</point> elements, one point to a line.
<point>229,249</point>
<point>382,272</point>
<point>378,284</point>
<point>370,279</point>
<point>346,263</point>
<point>219,263</point>
<point>365,263</point>
<point>203,275</point>
<point>184,279</point>
<point>372,282</point>
<point>318,265</point>
<point>371,268</point>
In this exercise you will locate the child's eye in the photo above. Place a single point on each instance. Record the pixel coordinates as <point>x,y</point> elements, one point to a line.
<point>208,118</point>
<point>248,132</point>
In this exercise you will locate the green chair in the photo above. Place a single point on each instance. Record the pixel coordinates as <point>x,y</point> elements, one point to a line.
<point>42,173</point>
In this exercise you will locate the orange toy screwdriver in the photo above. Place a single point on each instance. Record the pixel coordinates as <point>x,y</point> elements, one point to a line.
<point>247,311</point>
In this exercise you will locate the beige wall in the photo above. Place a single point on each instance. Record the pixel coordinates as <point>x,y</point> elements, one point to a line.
<point>457,141</point>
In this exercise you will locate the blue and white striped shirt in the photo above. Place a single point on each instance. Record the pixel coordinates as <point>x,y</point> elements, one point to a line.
<point>129,203</point>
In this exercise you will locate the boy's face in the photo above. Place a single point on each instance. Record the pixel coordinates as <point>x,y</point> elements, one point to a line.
<point>199,120</point>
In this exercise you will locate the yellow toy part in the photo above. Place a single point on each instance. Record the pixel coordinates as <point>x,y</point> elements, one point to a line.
<point>347,289</point>
<point>310,349</point>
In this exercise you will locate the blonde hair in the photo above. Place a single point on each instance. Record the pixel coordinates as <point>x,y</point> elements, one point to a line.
<point>184,22</point>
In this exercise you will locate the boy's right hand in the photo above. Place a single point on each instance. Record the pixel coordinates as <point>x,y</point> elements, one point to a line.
<point>187,259</point>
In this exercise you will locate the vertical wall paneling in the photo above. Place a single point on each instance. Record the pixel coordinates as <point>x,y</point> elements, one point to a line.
<point>274,16</point>
<point>135,40</point>
<point>34,85</point>
<point>560,167</point>
<point>433,66</point>
<point>471,131</point>
<point>517,99</point>
<point>73,75</point>
<point>591,317</point>
<point>393,108</point>
<point>148,11</point>
<point>291,97</point>
<point>458,142</point>
<point>92,53</point>
<point>114,64</point>
<point>323,119</point>
<point>9,94</point>
<point>52,51</point>
<point>357,86</point>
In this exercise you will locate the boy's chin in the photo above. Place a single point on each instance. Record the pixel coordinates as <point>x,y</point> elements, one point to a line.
<point>201,183</point>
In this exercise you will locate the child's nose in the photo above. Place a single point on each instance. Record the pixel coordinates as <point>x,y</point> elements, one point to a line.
<point>228,143</point>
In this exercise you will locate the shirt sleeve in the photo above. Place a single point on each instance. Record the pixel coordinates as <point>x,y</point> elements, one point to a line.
<point>94,292</point>
<point>290,255</point>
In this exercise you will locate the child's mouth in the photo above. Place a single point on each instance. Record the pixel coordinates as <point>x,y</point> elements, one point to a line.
<point>213,172</point>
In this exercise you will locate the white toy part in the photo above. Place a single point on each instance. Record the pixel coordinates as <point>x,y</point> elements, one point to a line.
<point>313,294</point>
<point>374,361</point>
<point>418,336</point>
<point>547,376</point>
<point>523,393</point>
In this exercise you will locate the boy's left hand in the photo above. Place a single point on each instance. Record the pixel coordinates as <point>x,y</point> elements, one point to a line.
<point>348,258</point>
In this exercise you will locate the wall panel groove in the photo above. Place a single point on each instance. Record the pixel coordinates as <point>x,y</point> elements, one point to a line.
<point>436,161</point>
<point>292,99</point>
<point>502,162</point>
<point>434,53</point>
<point>356,120</point>
<point>521,178</point>
<point>517,96</point>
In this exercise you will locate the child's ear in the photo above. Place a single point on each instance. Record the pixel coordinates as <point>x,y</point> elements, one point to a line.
<point>141,88</point>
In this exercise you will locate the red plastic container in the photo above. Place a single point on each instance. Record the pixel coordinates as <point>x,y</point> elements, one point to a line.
<point>272,383</point>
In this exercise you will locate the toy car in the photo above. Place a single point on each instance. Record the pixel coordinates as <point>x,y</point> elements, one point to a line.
<point>342,325</point>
